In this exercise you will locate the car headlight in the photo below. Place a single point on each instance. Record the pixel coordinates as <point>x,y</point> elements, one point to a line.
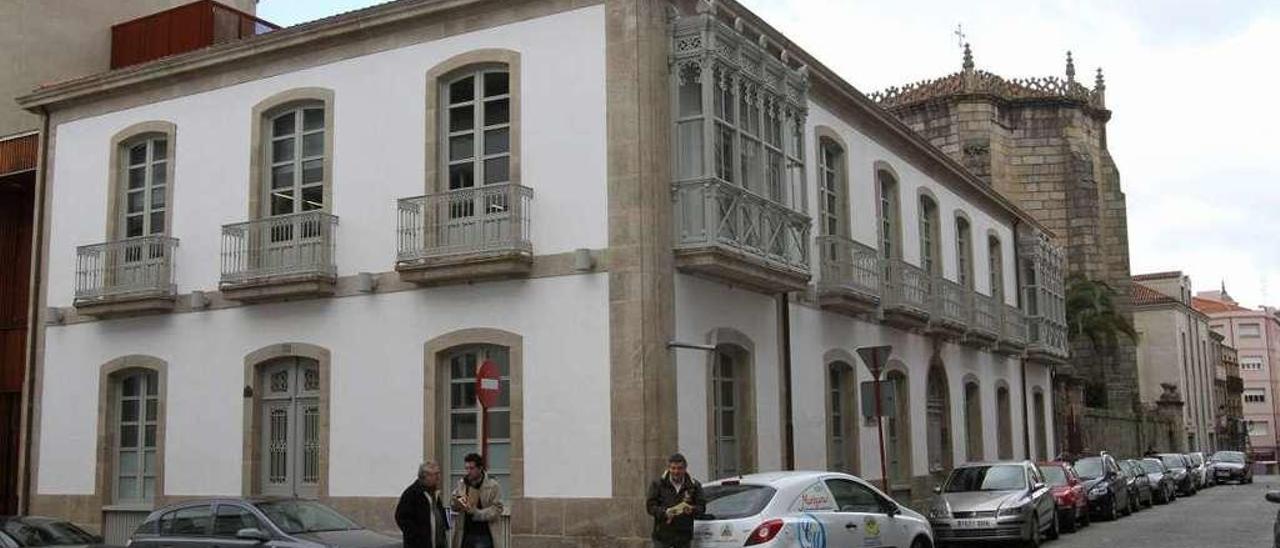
<point>1013,511</point>
<point>1098,491</point>
<point>940,511</point>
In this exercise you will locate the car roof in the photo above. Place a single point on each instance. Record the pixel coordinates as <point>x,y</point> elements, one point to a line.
<point>226,500</point>
<point>780,478</point>
<point>993,463</point>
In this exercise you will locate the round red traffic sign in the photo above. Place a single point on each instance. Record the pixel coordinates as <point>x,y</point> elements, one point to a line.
<point>487,385</point>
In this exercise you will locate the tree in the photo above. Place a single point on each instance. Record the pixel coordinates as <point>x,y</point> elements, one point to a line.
<point>1092,314</point>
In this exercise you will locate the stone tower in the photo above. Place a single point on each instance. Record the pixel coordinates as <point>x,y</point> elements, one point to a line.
<point>1042,142</point>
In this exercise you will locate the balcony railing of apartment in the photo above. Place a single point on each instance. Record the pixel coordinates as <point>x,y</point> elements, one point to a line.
<point>908,294</point>
<point>465,234</point>
<point>729,232</point>
<point>950,306</point>
<point>128,276</point>
<point>1013,329</point>
<point>279,257</point>
<point>849,277</point>
<point>1047,337</point>
<point>984,323</point>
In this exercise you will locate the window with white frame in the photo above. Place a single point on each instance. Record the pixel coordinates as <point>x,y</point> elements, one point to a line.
<point>1251,363</point>
<point>964,252</point>
<point>137,402</point>
<point>930,258</point>
<point>1250,330</point>
<point>477,124</point>
<point>465,421</point>
<point>888,213</point>
<point>830,190</point>
<point>144,194</point>
<point>995,268</point>
<point>1255,395</point>
<point>1257,428</point>
<point>297,159</point>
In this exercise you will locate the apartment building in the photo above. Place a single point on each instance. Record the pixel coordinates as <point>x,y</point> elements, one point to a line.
<point>274,266</point>
<point>1255,334</point>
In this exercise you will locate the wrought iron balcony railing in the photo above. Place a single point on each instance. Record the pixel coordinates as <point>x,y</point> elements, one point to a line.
<point>986,317</point>
<point>284,246</point>
<point>848,264</point>
<point>907,286</point>
<point>950,302</point>
<point>712,213</point>
<point>479,220</point>
<point>122,269</point>
<point>1047,335</point>
<point>1013,325</point>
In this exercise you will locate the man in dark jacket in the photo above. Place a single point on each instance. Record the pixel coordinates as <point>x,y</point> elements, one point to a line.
<point>674,500</point>
<point>420,513</point>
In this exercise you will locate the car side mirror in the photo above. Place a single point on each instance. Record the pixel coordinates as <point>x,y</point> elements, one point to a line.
<point>937,489</point>
<point>891,509</point>
<point>1274,496</point>
<point>253,533</point>
<point>1037,486</point>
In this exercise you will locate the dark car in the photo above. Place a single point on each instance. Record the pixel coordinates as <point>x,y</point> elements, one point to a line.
<point>1140,487</point>
<point>36,532</point>
<point>1180,466</point>
<point>1163,487</point>
<point>246,523</point>
<point>1231,466</point>
<point>1068,494</point>
<point>1274,496</point>
<point>1106,486</point>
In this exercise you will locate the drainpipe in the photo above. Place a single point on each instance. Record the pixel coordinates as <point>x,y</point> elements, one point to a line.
<point>34,315</point>
<point>1017,277</point>
<point>788,417</point>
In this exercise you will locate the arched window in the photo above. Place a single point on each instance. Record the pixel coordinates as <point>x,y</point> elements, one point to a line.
<point>973,422</point>
<point>832,189</point>
<point>465,425</point>
<point>890,231</point>
<point>897,432</point>
<point>296,175</point>
<point>477,122</point>
<point>964,252</point>
<point>930,258</point>
<point>1042,436</point>
<point>289,411</point>
<point>144,196</point>
<point>1004,423</point>
<point>995,268</point>
<point>842,439</point>
<point>732,414</point>
<point>938,417</point>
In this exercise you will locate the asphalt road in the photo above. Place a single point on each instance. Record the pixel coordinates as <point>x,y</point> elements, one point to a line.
<point>1224,516</point>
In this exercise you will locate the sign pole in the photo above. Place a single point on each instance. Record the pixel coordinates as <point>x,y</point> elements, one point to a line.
<point>484,433</point>
<point>873,356</point>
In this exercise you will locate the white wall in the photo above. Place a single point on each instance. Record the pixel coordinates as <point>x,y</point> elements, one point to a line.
<point>378,150</point>
<point>376,342</point>
<point>861,157</point>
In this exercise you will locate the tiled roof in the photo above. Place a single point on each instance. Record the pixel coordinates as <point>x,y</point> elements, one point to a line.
<point>1143,295</point>
<point>1213,306</point>
<point>1158,275</point>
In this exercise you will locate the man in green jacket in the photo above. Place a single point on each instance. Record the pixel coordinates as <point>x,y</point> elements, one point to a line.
<point>674,500</point>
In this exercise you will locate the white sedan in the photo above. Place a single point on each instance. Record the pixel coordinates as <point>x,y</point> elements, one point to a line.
<point>805,510</point>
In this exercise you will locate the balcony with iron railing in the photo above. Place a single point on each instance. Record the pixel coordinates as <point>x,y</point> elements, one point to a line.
<point>908,294</point>
<point>984,320</point>
<point>1046,339</point>
<point>849,275</point>
<point>279,257</point>
<point>1013,330</point>
<point>949,310</point>
<point>726,232</point>
<point>465,235</point>
<point>125,277</point>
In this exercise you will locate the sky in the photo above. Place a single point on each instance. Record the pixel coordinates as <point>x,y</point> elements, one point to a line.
<point>1192,86</point>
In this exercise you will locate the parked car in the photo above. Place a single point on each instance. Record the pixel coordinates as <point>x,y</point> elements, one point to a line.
<point>992,502</point>
<point>38,532</point>
<point>1274,496</point>
<point>1068,494</point>
<point>1163,487</point>
<point>1139,487</point>
<point>794,509</point>
<point>1107,488</point>
<point>1180,466</point>
<point>1200,470</point>
<point>245,523</point>
<point>1231,466</point>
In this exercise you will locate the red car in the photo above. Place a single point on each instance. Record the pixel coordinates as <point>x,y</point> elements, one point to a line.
<point>1068,493</point>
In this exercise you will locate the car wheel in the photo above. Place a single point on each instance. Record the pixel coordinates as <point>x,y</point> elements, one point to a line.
<point>1053,528</point>
<point>1115,509</point>
<point>1084,518</point>
<point>1073,523</point>
<point>1128,505</point>
<point>920,542</point>
<point>1033,539</point>
<point>1151,499</point>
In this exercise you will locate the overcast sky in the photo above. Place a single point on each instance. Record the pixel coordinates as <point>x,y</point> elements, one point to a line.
<point>1192,85</point>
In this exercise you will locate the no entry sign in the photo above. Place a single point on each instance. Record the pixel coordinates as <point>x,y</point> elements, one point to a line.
<point>487,385</point>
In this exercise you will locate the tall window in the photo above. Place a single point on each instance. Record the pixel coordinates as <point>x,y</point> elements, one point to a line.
<point>1004,424</point>
<point>995,268</point>
<point>732,430</point>
<point>930,259</point>
<point>938,414</point>
<point>466,426</point>
<point>888,213</point>
<point>897,430</point>
<point>297,160</point>
<point>973,422</point>
<point>1042,435</point>
<point>756,137</point>
<point>477,122</point>
<point>290,419</point>
<point>964,252</point>
<point>830,188</point>
<point>842,447</point>
<point>137,397</point>
<point>146,166</point>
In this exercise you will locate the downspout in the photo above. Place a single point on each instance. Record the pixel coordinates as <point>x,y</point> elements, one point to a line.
<point>1017,282</point>
<point>788,416</point>
<point>34,317</point>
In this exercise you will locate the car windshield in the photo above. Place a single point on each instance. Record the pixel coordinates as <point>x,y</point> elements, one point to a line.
<point>1229,456</point>
<point>304,516</point>
<point>987,478</point>
<point>1152,466</point>
<point>32,533</point>
<point>1173,461</point>
<point>1089,467</point>
<point>736,501</point>
<point>1054,475</point>
<point>1197,459</point>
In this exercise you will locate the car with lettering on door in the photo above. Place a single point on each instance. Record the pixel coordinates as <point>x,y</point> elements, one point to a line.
<point>805,509</point>
<point>250,523</point>
<point>994,501</point>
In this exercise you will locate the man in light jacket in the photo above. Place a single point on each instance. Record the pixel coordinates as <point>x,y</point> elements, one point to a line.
<point>478,501</point>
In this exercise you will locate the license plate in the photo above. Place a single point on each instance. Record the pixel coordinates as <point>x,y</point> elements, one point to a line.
<point>975,524</point>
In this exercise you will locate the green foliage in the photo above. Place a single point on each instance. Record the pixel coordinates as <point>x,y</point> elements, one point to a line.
<point>1092,313</point>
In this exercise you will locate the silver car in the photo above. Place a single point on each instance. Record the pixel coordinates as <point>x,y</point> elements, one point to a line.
<point>994,501</point>
<point>250,523</point>
<point>1200,470</point>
